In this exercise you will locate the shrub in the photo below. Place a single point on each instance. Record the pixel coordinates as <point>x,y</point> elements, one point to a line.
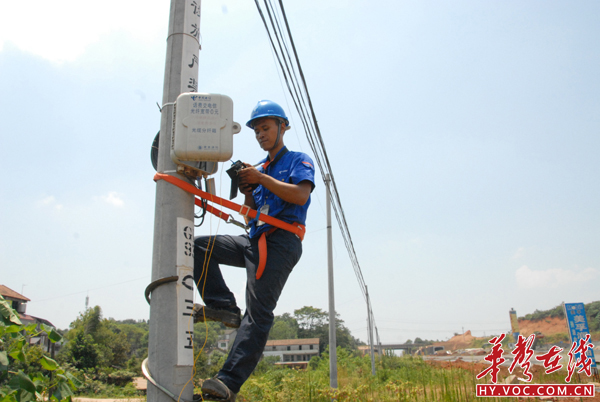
<point>26,373</point>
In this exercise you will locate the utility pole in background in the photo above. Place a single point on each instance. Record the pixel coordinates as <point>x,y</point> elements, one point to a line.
<point>370,329</point>
<point>333,380</point>
<point>170,357</point>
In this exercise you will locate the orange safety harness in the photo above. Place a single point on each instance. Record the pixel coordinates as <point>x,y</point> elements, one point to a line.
<point>296,228</point>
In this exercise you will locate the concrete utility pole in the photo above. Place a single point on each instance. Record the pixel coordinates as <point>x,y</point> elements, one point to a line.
<point>370,322</point>
<point>333,378</point>
<point>170,357</point>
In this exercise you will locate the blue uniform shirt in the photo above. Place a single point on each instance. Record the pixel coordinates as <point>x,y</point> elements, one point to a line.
<point>292,167</point>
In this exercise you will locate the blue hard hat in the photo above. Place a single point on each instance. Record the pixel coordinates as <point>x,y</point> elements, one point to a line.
<point>267,108</point>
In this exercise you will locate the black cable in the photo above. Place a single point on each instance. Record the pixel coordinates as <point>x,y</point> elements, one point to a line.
<point>202,215</point>
<point>302,117</point>
<point>300,97</point>
<point>280,41</point>
<point>341,217</point>
<point>203,202</point>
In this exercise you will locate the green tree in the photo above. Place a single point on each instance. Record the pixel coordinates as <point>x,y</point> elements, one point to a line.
<point>91,331</point>
<point>344,338</point>
<point>540,314</point>
<point>206,334</point>
<point>136,334</point>
<point>92,320</point>
<point>283,330</point>
<point>83,352</point>
<point>310,320</point>
<point>592,311</point>
<point>314,323</point>
<point>284,327</point>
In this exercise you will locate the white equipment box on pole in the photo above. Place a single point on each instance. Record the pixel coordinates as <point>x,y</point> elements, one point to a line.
<point>203,131</point>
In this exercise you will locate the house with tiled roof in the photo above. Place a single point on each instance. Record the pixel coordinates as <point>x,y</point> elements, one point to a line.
<point>19,303</point>
<point>293,352</point>
<point>226,339</point>
<point>17,300</point>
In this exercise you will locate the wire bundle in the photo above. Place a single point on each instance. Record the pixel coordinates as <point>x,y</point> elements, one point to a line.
<point>291,69</point>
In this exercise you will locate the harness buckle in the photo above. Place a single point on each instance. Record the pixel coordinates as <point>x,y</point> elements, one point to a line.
<point>237,223</point>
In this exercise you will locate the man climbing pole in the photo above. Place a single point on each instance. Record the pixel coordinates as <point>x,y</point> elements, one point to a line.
<point>280,187</point>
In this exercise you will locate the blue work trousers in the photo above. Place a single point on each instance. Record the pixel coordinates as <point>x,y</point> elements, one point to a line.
<point>283,252</point>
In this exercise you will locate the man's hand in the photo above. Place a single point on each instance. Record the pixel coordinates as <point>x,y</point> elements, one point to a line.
<point>249,178</point>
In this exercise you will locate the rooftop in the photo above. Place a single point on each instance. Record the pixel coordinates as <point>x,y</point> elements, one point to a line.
<point>8,293</point>
<point>289,342</point>
<point>27,319</point>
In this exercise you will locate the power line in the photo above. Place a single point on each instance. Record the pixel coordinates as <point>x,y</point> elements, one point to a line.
<point>87,290</point>
<point>290,68</point>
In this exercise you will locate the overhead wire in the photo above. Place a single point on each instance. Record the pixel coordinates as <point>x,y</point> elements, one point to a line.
<point>298,90</point>
<point>90,289</point>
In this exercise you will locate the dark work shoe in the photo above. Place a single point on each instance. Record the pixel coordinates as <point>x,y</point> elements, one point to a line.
<point>230,317</point>
<point>213,389</point>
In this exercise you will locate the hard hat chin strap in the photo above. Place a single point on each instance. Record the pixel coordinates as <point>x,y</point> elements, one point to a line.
<point>279,123</point>
<point>278,135</point>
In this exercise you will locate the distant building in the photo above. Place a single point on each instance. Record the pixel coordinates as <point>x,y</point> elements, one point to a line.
<point>293,352</point>
<point>19,303</point>
<point>226,339</point>
<point>224,343</point>
<point>17,300</point>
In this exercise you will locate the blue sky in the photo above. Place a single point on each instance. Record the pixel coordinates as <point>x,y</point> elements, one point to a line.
<point>463,136</point>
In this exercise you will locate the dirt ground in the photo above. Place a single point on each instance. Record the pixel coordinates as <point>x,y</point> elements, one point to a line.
<point>461,341</point>
<point>547,326</point>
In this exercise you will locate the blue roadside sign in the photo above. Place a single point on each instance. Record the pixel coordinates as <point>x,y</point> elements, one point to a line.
<point>578,326</point>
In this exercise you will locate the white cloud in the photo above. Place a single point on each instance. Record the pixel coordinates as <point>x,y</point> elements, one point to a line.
<point>50,201</point>
<point>519,253</point>
<point>113,199</point>
<point>552,278</point>
<point>62,30</point>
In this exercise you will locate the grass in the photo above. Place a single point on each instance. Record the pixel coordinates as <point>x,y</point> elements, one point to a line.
<point>397,379</point>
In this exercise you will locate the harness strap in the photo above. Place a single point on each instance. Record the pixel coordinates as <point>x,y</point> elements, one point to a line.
<point>211,209</point>
<point>296,228</point>
<point>262,249</point>
<point>262,252</point>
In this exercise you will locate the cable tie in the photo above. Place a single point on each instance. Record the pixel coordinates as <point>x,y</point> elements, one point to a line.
<point>187,34</point>
<point>166,104</point>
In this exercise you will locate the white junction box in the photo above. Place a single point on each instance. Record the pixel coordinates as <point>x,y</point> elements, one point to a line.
<point>203,128</point>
